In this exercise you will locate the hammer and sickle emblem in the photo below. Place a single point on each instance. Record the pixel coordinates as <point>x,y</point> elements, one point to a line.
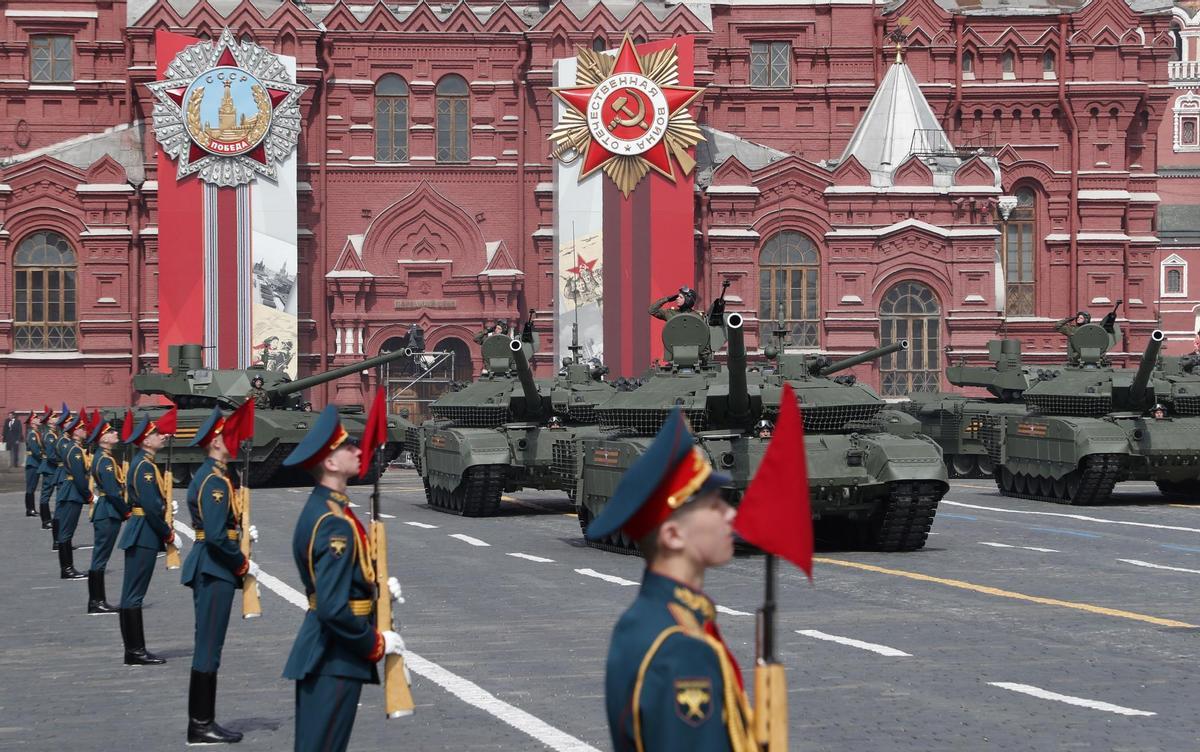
<point>621,105</point>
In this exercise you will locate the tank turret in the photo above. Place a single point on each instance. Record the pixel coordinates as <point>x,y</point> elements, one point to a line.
<point>1005,379</point>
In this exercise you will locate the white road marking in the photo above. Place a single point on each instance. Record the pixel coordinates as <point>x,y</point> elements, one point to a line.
<point>1080,517</point>
<point>464,689</point>
<point>531,557</point>
<point>387,516</point>
<point>422,525</point>
<point>1026,548</point>
<point>851,642</point>
<point>606,577</point>
<point>1082,702</point>
<point>469,539</point>
<point>1148,565</point>
<point>732,612</point>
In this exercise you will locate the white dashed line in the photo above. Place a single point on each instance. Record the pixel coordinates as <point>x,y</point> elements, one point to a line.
<point>531,557</point>
<point>469,539</point>
<point>1025,548</point>
<point>464,689</point>
<point>732,612</point>
<point>422,525</point>
<point>387,516</point>
<point>606,577</point>
<point>1080,517</point>
<point>851,642</point>
<point>1148,565</point>
<point>1082,702</point>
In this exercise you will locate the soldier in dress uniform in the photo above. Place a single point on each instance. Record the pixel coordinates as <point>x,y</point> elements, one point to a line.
<point>338,646</point>
<point>61,447</point>
<point>50,445</point>
<point>213,571</point>
<point>72,494</point>
<point>144,538</point>
<point>685,300</point>
<point>46,469</point>
<point>33,458</point>
<point>670,682</point>
<point>108,512</point>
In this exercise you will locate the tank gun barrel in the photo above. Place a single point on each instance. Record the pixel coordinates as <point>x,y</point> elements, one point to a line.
<point>533,399</point>
<point>1137,388</point>
<point>854,360</point>
<point>739,394</point>
<point>337,373</point>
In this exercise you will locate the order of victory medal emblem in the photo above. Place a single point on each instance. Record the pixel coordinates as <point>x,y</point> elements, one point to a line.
<point>227,110</point>
<point>627,115</point>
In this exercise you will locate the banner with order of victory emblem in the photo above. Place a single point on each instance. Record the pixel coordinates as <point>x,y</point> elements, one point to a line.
<point>623,195</point>
<point>227,120</point>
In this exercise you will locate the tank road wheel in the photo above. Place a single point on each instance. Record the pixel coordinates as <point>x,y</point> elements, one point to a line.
<point>961,466</point>
<point>986,466</point>
<point>1004,479</point>
<point>478,495</point>
<point>1189,489</point>
<point>903,523</point>
<point>1093,481</point>
<point>1020,484</point>
<point>1058,489</point>
<point>1045,487</point>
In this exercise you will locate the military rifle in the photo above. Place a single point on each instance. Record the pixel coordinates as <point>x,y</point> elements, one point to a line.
<point>770,682</point>
<point>397,694</point>
<point>251,606</point>
<point>716,312</point>
<point>168,505</point>
<point>527,330</point>
<point>1111,317</point>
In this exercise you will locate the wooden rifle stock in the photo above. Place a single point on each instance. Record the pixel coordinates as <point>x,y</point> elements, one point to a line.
<point>251,607</point>
<point>398,699</point>
<point>770,707</point>
<point>169,507</point>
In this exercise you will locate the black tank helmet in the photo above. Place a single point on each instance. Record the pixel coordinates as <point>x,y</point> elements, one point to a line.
<point>689,298</point>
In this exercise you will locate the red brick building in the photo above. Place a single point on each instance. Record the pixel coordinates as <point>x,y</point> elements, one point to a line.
<point>1001,178</point>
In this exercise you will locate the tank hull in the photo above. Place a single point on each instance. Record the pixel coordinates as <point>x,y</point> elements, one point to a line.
<point>955,422</point>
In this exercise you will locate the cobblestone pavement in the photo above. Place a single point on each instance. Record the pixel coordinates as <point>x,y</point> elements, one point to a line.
<point>1021,626</point>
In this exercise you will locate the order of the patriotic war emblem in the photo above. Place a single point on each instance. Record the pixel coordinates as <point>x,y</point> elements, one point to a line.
<point>627,115</point>
<point>227,110</point>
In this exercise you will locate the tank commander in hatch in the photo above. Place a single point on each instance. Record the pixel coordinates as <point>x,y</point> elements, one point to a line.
<point>258,394</point>
<point>685,300</point>
<point>1069,324</point>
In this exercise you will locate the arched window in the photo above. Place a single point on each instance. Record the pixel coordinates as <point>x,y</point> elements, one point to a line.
<point>462,367</point>
<point>391,119</point>
<point>910,311</point>
<point>44,316</point>
<point>968,64</point>
<point>1049,60</point>
<point>453,121</point>
<point>1008,65</point>
<point>789,288</point>
<point>1174,282</point>
<point>1177,37</point>
<point>1018,239</point>
<point>599,45</point>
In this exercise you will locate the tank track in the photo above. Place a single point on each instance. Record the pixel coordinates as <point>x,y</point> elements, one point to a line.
<point>477,495</point>
<point>1089,484</point>
<point>617,543</point>
<point>905,521</point>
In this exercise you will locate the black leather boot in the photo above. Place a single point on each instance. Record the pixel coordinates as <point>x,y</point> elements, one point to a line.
<point>30,511</point>
<point>66,562</point>
<point>44,513</point>
<point>53,535</point>
<point>96,601</point>
<point>202,711</point>
<point>135,640</point>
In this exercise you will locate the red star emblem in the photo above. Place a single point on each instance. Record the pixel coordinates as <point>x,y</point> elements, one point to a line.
<point>580,265</point>
<point>630,112</point>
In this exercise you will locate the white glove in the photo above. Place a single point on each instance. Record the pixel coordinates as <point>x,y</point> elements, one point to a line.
<point>253,570</point>
<point>394,587</point>
<point>253,533</point>
<point>393,643</point>
<point>174,507</point>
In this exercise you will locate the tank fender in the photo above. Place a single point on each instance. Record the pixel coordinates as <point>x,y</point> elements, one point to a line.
<point>891,458</point>
<point>448,452</point>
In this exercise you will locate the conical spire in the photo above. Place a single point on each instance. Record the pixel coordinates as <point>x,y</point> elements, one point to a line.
<point>897,124</point>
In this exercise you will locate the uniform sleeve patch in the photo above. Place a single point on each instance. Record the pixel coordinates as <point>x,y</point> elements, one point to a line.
<point>147,476</point>
<point>217,496</point>
<point>337,545</point>
<point>693,700</point>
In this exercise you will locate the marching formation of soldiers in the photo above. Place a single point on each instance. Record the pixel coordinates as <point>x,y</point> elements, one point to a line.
<point>671,682</point>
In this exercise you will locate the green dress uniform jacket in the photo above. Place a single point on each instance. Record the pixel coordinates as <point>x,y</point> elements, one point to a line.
<point>670,682</point>
<point>338,636</point>
<point>74,491</point>
<point>110,509</point>
<point>143,491</point>
<point>218,551</point>
<point>33,458</point>
<point>61,447</point>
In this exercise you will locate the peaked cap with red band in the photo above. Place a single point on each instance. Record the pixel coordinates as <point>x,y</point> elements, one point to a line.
<point>213,425</point>
<point>672,472</point>
<point>140,431</point>
<point>323,438</point>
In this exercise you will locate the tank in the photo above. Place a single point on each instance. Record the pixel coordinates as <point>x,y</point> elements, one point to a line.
<point>507,430</point>
<point>1177,389</point>
<point>876,482</point>
<point>1089,426</point>
<point>954,420</point>
<point>282,415</point>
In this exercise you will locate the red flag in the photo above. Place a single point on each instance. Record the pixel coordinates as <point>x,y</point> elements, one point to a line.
<point>95,421</point>
<point>83,418</point>
<point>127,424</point>
<point>169,422</point>
<point>375,434</point>
<point>239,426</point>
<point>775,514</point>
